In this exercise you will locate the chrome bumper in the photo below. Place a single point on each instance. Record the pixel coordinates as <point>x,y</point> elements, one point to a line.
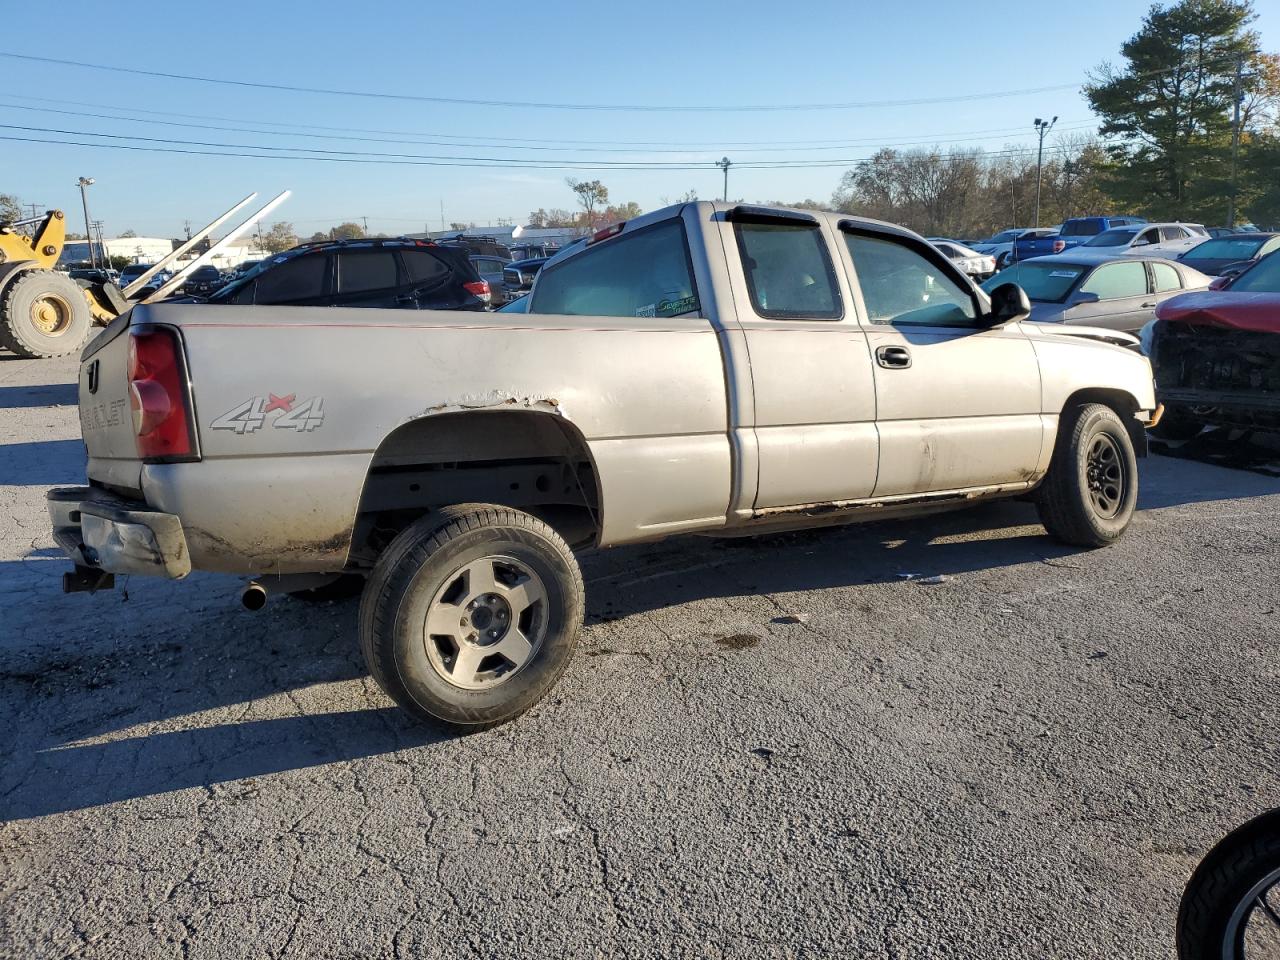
<point>106,532</point>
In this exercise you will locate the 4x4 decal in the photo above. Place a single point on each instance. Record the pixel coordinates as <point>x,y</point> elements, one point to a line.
<point>251,415</point>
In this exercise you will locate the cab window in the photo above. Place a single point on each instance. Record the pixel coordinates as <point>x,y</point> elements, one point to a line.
<point>642,274</point>
<point>789,272</point>
<point>900,285</point>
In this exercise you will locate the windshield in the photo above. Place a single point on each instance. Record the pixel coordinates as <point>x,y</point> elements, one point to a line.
<point>1008,236</point>
<point>1045,282</point>
<point>1111,238</point>
<point>1226,248</point>
<point>1263,278</point>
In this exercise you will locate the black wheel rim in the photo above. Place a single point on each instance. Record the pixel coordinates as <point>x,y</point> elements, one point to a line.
<point>1105,476</point>
<point>1256,912</point>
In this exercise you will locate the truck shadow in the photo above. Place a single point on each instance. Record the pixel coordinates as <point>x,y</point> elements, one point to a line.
<point>286,689</point>
<point>74,778</point>
<point>42,463</point>
<point>40,395</point>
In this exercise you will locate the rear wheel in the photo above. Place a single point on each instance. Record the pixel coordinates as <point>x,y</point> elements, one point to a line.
<point>43,314</point>
<point>1088,498</point>
<point>471,614</point>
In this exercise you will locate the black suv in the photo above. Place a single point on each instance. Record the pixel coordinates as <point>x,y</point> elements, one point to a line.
<point>202,281</point>
<point>404,274</point>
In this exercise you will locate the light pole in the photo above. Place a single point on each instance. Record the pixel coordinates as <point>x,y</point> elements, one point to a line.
<point>1042,127</point>
<point>88,228</point>
<point>724,164</point>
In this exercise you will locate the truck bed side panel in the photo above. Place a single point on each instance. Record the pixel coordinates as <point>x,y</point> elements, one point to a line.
<point>293,402</point>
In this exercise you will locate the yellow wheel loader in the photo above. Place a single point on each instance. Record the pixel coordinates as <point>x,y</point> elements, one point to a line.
<point>44,313</point>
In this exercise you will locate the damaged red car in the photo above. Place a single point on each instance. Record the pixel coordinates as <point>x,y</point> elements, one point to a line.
<point>1216,355</point>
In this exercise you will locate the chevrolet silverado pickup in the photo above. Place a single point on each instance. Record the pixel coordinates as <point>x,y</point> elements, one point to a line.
<point>708,368</point>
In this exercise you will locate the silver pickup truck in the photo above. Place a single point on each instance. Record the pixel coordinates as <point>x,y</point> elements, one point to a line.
<point>707,368</point>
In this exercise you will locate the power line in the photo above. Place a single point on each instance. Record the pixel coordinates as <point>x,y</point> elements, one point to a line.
<point>494,163</point>
<point>715,144</point>
<point>531,105</point>
<point>828,145</point>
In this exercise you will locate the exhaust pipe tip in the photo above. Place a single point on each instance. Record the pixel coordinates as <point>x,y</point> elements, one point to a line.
<point>254,596</point>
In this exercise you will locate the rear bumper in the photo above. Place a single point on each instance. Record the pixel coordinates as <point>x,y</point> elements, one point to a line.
<point>98,529</point>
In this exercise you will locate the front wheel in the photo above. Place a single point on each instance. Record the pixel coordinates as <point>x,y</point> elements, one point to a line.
<point>471,614</point>
<point>1230,909</point>
<point>1088,498</point>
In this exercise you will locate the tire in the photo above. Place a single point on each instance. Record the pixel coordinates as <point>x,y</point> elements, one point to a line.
<point>502,595</point>
<point>43,314</point>
<point>343,588</point>
<point>1211,914</point>
<point>1088,497</point>
<point>1177,425</point>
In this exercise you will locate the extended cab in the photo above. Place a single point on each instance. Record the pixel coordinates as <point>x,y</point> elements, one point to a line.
<point>707,368</point>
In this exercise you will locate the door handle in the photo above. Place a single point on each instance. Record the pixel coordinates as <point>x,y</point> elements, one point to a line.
<point>1146,306</point>
<point>893,357</point>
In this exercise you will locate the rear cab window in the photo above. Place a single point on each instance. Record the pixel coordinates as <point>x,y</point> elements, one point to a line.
<point>643,273</point>
<point>788,268</point>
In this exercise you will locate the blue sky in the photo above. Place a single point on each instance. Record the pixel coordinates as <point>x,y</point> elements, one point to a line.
<point>656,53</point>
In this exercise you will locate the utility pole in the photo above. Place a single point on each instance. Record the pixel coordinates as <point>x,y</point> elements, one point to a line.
<point>724,164</point>
<point>102,244</point>
<point>186,225</point>
<point>1042,128</point>
<point>366,225</point>
<point>35,209</point>
<point>88,229</point>
<point>1236,95</point>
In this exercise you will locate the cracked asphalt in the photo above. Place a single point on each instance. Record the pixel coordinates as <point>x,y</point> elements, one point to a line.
<point>768,748</point>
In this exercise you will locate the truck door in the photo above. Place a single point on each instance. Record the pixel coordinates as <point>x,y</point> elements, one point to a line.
<point>814,393</point>
<point>958,403</point>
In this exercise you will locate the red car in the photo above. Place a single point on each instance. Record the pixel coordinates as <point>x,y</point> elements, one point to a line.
<point>1216,354</point>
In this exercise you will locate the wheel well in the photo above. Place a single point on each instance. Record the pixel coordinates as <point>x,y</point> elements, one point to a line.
<point>1123,403</point>
<point>533,461</point>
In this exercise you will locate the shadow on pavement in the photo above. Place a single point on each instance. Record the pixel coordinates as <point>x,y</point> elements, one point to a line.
<point>41,395</point>
<point>72,778</point>
<point>42,463</point>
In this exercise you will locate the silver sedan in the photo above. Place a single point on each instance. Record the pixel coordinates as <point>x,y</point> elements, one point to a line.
<point>975,264</point>
<point>1118,292</point>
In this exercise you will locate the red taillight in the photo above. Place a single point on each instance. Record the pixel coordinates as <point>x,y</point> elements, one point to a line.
<point>610,231</point>
<point>478,288</point>
<point>158,396</point>
<point>1059,246</point>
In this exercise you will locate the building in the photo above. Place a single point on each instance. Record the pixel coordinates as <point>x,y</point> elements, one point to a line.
<point>137,249</point>
<point>151,249</point>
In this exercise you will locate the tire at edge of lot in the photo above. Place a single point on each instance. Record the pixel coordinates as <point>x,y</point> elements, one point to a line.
<point>1236,864</point>
<point>20,336</point>
<point>414,565</point>
<point>1063,500</point>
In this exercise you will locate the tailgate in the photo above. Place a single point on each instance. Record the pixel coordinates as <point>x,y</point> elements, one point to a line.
<point>106,421</point>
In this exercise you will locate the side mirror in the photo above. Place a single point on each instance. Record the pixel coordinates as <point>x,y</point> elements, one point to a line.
<point>1084,296</point>
<point>1009,304</point>
<point>1221,282</point>
<point>1141,243</point>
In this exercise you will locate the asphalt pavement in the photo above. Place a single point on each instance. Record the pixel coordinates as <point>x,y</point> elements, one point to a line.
<point>779,747</point>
